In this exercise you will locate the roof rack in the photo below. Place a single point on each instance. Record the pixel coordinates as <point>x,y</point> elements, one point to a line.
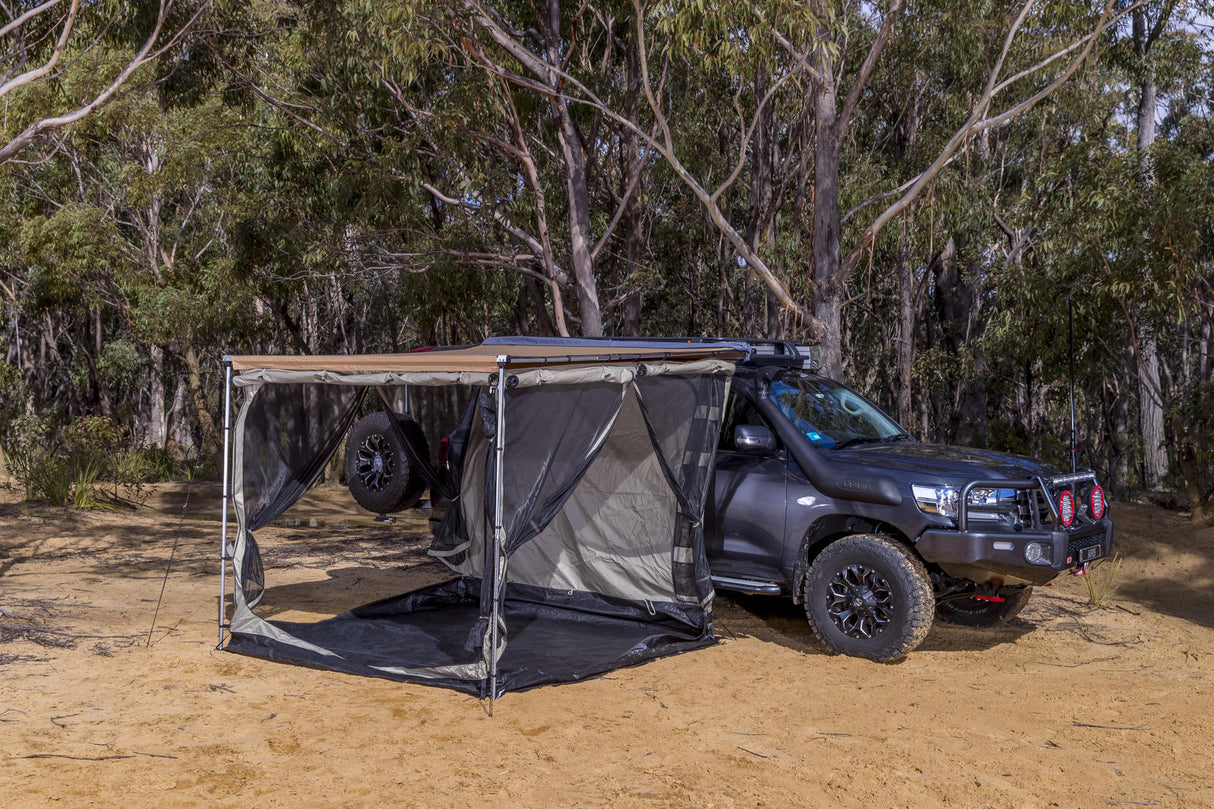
<point>783,353</point>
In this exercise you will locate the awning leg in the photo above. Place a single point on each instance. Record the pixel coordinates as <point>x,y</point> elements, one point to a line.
<point>499,530</point>
<point>226,496</point>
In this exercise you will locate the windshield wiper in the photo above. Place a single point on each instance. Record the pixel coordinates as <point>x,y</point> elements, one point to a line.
<point>859,439</point>
<point>868,439</point>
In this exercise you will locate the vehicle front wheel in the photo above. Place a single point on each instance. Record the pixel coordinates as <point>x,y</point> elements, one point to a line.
<point>981,613</point>
<point>868,596</point>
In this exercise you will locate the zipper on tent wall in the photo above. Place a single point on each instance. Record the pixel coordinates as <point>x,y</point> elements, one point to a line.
<point>227,493</point>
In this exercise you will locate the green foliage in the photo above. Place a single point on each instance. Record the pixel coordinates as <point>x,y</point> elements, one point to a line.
<point>27,434</point>
<point>135,466</point>
<point>734,37</point>
<point>357,176</point>
<point>78,463</point>
<point>43,474</point>
<point>1193,415</point>
<point>85,475</point>
<point>120,363</point>
<point>36,467</point>
<point>12,396</point>
<point>90,437</point>
<point>60,479</point>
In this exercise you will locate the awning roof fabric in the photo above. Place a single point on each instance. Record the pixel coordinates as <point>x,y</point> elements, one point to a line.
<point>484,358</point>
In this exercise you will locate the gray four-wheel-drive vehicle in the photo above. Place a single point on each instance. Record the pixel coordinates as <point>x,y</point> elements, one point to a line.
<point>822,497</point>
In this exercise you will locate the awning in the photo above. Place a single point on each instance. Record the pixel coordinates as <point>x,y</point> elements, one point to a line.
<point>485,358</point>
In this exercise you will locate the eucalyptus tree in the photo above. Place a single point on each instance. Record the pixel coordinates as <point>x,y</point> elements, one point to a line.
<point>938,268</point>
<point>1033,56</point>
<point>487,176</point>
<point>120,265</point>
<point>1080,221</point>
<point>41,41</point>
<point>1149,30</point>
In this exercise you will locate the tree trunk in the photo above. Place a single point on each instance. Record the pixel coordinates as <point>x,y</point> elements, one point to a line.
<point>210,435</point>
<point>959,302</point>
<point>575,183</point>
<point>1114,397</point>
<point>1147,92</point>
<point>630,322</point>
<point>158,419</point>
<point>1201,508</point>
<point>1205,351</point>
<point>1155,454</point>
<point>766,191</point>
<point>827,277</point>
<point>906,334</point>
<point>633,218</point>
<point>181,429</point>
<point>579,227</point>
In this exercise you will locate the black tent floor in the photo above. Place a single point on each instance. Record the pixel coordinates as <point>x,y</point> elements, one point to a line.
<point>545,644</point>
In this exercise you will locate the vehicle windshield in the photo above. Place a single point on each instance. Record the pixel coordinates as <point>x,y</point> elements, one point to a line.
<point>831,415</point>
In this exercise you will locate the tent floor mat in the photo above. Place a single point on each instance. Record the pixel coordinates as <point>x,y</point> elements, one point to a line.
<point>440,645</point>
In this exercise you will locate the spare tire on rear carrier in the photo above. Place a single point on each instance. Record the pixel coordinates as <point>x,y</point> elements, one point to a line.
<point>379,472</point>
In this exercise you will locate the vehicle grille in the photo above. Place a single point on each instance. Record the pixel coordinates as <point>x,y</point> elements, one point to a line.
<point>1076,545</point>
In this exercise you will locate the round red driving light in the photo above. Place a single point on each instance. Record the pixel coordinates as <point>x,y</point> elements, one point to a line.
<point>1066,508</point>
<point>1097,502</point>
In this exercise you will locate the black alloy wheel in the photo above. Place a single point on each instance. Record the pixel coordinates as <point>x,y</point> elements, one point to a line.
<point>375,462</point>
<point>869,596</point>
<point>379,472</point>
<point>859,601</point>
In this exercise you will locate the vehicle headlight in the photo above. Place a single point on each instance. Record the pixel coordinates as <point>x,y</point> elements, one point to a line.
<point>984,504</point>
<point>940,500</point>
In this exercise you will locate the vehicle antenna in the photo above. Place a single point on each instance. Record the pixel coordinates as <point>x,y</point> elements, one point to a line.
<point>1070,319</point>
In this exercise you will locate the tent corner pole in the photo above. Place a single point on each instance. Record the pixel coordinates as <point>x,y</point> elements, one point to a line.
<point>499,531</point>
<point>226,494</point>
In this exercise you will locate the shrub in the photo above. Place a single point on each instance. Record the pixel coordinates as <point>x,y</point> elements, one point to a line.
<point>85,473</point>
<point>90,436</point>
<point>44,475</point>
<point>1101,582</point>
<point>85,463</point>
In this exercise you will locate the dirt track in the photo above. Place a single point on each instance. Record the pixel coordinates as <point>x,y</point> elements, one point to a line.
<point>1070,706</point>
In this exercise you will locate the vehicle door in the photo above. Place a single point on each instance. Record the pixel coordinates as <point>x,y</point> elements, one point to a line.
<point>744,530</point>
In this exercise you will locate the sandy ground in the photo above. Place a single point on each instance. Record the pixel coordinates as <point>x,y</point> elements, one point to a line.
<point>112,691</point>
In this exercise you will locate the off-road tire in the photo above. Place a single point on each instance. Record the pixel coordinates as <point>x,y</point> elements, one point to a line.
<point>893,585</point>
<point>378,470</point>
<point>975,613</point>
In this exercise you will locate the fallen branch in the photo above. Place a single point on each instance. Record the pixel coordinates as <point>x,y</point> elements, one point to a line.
<point>753,753</point>
<point>55,719</point>
<point>73,758</point>
<point>1077,665</point>
<point>1108,727</point>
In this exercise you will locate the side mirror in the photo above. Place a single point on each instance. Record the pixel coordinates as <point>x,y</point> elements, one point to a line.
<point>752,437</point>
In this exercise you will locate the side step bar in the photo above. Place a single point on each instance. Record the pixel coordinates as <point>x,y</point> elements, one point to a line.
<point>766,588</point>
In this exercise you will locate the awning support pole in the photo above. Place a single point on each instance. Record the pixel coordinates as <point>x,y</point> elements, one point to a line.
<point>499,529</point>
<point>227,493</point>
